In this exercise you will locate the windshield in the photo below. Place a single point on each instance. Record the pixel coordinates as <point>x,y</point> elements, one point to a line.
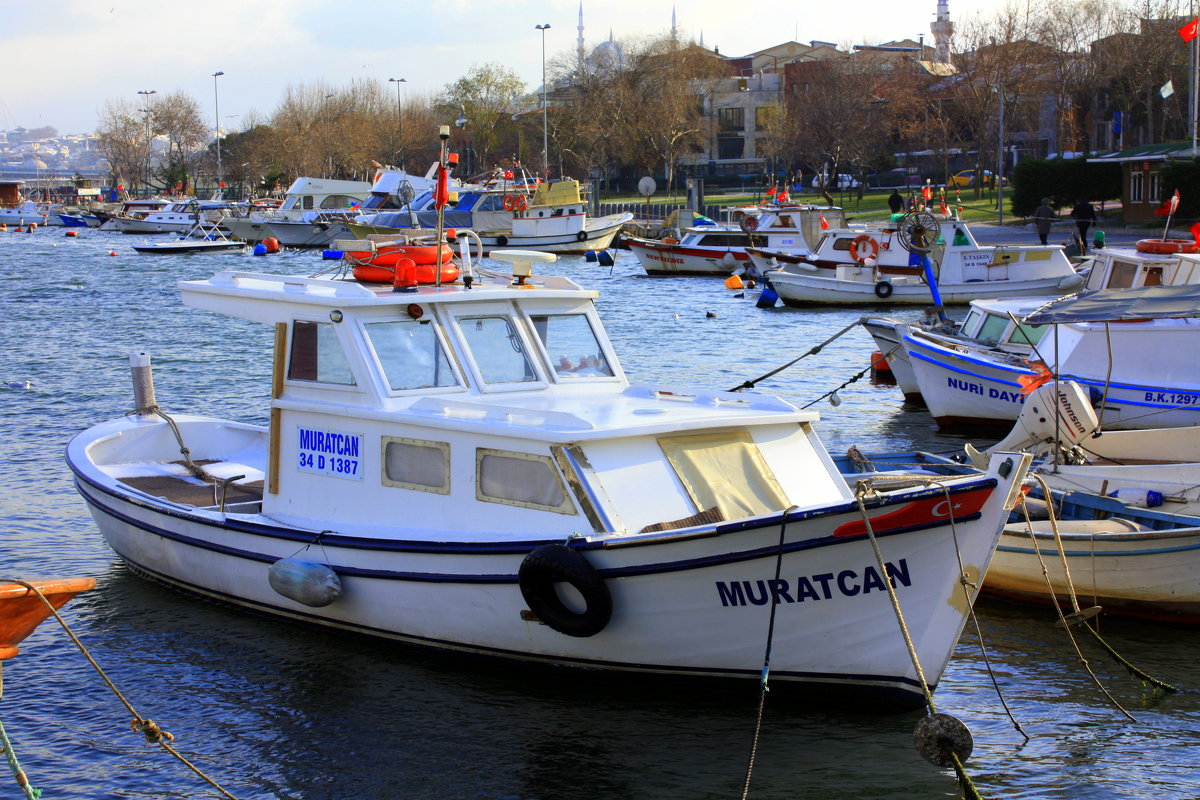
<point>572,346</point>
<point>411,355</point>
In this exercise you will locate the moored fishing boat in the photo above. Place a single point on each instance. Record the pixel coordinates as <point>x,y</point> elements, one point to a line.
<point>467,467</point>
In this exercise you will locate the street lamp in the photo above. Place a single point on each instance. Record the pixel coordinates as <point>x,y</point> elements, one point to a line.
<point>545,148</point>
<point>217,129</point>
<point>399,119</point>
<point>146,112</point>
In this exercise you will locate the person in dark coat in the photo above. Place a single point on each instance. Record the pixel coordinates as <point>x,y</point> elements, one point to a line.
<point>896,202</point>
<point>1043,218</point>
<point>1084,215</point>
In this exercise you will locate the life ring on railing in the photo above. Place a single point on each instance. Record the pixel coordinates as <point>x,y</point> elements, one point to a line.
<point>510,202</point>
<point>884,289</point>
<point>557,563</point>
<point>860,246</point>
<point>749,224</point>
<point>1167,246</point>
<point>521,202</point>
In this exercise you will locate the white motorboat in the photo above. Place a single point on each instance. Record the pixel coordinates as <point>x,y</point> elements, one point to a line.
<point>1134,349</point>
<point>549,216</point>
<point>201,238</point>
<point>994,323</point>
<point>722,249</point>
<point>179,217</point>
<point>315,211</point>
<point>30,213</point>
<point>961,269</point>
<point>465,466</point>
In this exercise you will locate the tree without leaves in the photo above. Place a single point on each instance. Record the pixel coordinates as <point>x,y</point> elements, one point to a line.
<point>124,141</point>
<point>487,97</point>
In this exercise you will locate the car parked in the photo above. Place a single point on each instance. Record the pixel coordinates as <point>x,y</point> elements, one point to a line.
<point>841,181</point>
<point>967,178</point>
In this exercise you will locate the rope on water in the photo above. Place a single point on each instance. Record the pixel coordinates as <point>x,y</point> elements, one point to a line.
<point>863,489</point>
<point>19,774</point>
<point>1129,667</point>
<point>148,727</point>
<point>812,352</point>
<point>766,669</point>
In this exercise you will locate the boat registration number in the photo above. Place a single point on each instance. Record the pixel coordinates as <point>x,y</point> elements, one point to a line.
<point>327,452</point>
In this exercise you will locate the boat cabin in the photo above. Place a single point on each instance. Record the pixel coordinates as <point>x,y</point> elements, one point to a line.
<point>458,403</point>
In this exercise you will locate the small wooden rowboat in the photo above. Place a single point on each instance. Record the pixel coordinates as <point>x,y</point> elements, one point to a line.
<point>22,610</point>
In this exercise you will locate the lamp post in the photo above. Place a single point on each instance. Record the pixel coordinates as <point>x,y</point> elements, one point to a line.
<point>399,119</point>
<point>217,129</point>
<point>545,147</point>
<point>146,112</point>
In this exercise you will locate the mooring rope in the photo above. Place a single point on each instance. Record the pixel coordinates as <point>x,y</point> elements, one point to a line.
<point>766,668</point>
<point>191,465</point>
<point>811,352</point>
<point>863,489</point>
<point>148,727</point>
<point>19,775</point>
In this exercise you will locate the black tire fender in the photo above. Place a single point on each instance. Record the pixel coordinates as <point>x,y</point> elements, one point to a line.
<point>554,563</point>
<point>883,289</point>
<point>581,236</point>
<point>502,240</point>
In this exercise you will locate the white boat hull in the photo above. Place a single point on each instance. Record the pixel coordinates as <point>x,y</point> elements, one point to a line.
<point>688,602</point>
<point>801,290</point>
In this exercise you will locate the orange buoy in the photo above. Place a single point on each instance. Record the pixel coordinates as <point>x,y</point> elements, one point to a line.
<point>18,229</point>
<point>881,371</point>
<point>734,282</point>
<point>112,252</point>
<point>271,243</point>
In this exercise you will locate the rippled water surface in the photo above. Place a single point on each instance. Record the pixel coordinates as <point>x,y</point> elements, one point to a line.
<point>272,709</point>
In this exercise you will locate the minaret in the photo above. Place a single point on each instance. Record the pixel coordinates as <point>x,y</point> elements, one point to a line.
<point>579,41</point>
<point>674,30</point>
<point>942,28</point>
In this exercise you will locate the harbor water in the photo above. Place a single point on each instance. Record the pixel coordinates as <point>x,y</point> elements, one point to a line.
<point>274,709</point>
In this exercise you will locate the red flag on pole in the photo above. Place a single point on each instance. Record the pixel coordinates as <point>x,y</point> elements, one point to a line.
<point>824,222</point>
<point>1168,207</point>
<point>771,191</point>
<point>1191,30</point>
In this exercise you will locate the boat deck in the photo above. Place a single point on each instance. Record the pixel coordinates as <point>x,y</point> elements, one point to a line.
<point>188,490</point>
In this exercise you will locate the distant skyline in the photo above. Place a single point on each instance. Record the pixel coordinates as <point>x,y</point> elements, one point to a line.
<point>73,55</point>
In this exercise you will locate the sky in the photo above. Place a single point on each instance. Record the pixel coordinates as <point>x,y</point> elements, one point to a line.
<point>69,57</point>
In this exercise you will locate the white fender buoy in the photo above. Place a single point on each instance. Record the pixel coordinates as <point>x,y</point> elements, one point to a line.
<point>307,583</point>
<point>1070,282</point>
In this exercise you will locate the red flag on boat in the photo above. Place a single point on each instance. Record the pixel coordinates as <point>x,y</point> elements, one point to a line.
<point>783,197</point>
<point>771,191</point>
<point>441,195</point>
<point>1191,30</point>
<point>1195,229</point>
<point>221,184</point>
<point>508,176</point>
<point>1167,209</point>
<point>824,223</point>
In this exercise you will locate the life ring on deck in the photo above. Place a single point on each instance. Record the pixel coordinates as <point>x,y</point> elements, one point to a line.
<point>521,202</point>
<point>863,247</point>
<point>557,563</point>
<point>581,236</point>
<point>1167,246</point>
<point>749,224</point>
<point>884,289</point>
<point>510,202</point>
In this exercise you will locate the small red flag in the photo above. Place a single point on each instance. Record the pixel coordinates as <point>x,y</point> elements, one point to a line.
<point>771,191</point>
<point>1168,207</point>
<point>221,184</point>
<point>508,176</point>
<point>783,197</point>
<point>1195,229</point>
<point>824,223</point>
<point>1191,30</point>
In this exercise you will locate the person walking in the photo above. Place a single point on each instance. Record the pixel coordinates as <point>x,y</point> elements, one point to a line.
<point>896,202</point>
<point>1084,215</point>
<point>1043,218</point>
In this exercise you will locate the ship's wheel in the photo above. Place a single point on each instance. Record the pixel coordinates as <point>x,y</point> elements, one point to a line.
<point>918,231</point>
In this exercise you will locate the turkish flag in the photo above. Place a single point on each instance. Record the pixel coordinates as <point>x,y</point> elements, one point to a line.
<point>508,176</point>
<point>824,222</point>
<point>1191,30</point>
<point>771,191</point>
<point>1167,209</point>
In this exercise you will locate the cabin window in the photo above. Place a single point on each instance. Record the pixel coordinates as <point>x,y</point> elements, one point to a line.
<point>338,201</point>
<point>411,354</point>
<point>416,464</point>
<point>572,346</point>
<point>1153,276</point>
<point>993,328</point>
<point>520,479</point>
<point>1028,335</point>
<point>842,243</point>
<point>1122,275</point>
<point>491,202</point>
<point>969,324</point>
<point>317,355</point>
<point>498,350</point>
<point>307,201</point>
<point>725,471</point>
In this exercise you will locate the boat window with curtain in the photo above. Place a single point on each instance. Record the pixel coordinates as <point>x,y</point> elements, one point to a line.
<point>416,464</point>
<point>520,479</point>
<point>725,471</point>
<point>317,355</point>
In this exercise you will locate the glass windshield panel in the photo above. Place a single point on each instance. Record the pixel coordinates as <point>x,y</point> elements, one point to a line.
<point>993,328</point>
<point>1122,275</point>
<point>498,350</point>
<point>967,328</point>
<point>411,355</point>
<point>1028,334</point>
<point>572,345</point>
<point>317,355</point>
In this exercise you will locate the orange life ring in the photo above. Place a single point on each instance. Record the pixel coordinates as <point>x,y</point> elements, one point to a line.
<point>522,202</point>
<point>749,224</point>
<point>860,245</point>
<point>510,202</point>
<point>380,266</point>
<point>1167,247</point>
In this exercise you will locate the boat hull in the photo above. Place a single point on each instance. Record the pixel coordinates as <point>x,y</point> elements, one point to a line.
<point>685,602</point>
<point>664,259</point>
<point>807,290</point>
